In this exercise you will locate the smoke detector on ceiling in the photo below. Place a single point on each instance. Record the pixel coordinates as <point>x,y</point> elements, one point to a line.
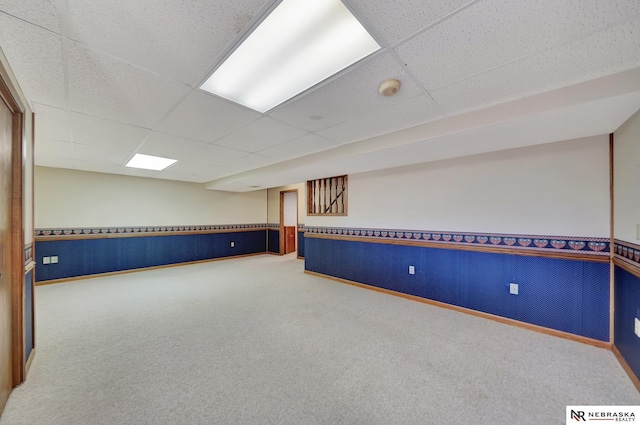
<point>389,87</point>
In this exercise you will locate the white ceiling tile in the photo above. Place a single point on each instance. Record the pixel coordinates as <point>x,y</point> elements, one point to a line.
<point>220,156</point>
<point>35,56</point>
<point>90,130</point>
<point>494,32</point>
<point>100,154</point>
<point>106,87</point>
<point>137,172</point>
<point>183,177</point>
<point>250,162</point>
<point>102,168</point>
<point>52,122</point>
<point>179,39</point>
<point>402,115</point>
<point>131,66</point>
<point>398,19</point>
<point>45,147</point>
<point>197,168</point>
<point>582,60</point>
<point>42,13</point>
<point>352,94</point>
<point>261,134</point>
<point>174,147</point>
<point>55,161</point>
<point>206,118</point>
<point>302,146</point>
<point>115,169</point>
<point>194,171</point>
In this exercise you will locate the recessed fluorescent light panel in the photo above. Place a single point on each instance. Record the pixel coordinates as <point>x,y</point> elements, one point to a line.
<point>299,44</point>
<point>149,162</point>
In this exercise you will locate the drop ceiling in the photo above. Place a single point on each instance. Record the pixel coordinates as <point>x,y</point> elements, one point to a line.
<point>108,79</point>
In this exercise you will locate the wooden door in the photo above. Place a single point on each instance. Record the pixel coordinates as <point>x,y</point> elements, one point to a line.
<point>289,239</point>
<point>6,371</point>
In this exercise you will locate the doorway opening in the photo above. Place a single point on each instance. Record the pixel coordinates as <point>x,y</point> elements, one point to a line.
<point>288,221</point>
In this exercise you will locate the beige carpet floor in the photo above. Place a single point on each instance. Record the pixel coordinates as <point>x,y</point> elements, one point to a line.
<point>256,341</point>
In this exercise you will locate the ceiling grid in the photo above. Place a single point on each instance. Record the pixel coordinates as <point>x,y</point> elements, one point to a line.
<point>111,79</point>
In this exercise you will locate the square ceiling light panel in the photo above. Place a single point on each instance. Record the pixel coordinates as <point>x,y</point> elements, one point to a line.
<point>149,162</point>
<point>299,44</point>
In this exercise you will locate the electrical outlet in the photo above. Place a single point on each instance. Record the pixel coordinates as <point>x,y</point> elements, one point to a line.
<point>54,259</point>
<point>233,244</point>
<point>46,260</point>
<point>513,288</point>
<point>412,270</point>
<point>637,327</point>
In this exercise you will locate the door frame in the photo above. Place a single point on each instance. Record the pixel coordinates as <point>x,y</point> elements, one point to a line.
<point>282,192</point>
<point>10,96</point>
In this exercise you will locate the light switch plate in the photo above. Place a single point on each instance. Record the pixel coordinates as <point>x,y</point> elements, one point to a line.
<point>412,270</point>
<point>513,288</point>
<point>233,244</point>
<point>637,327</point>
<point>46,260</point>
<point>54,259</point>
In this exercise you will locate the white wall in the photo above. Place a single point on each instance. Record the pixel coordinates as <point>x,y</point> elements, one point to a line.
<point>71,198</point>
<point>626,160</point>
<point>274,202</point>
<point>553,189</point>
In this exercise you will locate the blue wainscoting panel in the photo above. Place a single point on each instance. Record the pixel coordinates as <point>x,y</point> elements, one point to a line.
<point>301,244</point>
<point>443,281</point>
<point>595,296</point>
<point>82,257</point>
<point>627,309</point>
<point>28,315</point>
<point>274,240</point>
<point>485,279</point>
<point>566,295</point>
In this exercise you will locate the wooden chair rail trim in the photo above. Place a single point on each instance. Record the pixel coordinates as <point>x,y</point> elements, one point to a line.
<point>29,267</point>
<point>478,248</point>
<point>631,268</point>
<point>141,234</point>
